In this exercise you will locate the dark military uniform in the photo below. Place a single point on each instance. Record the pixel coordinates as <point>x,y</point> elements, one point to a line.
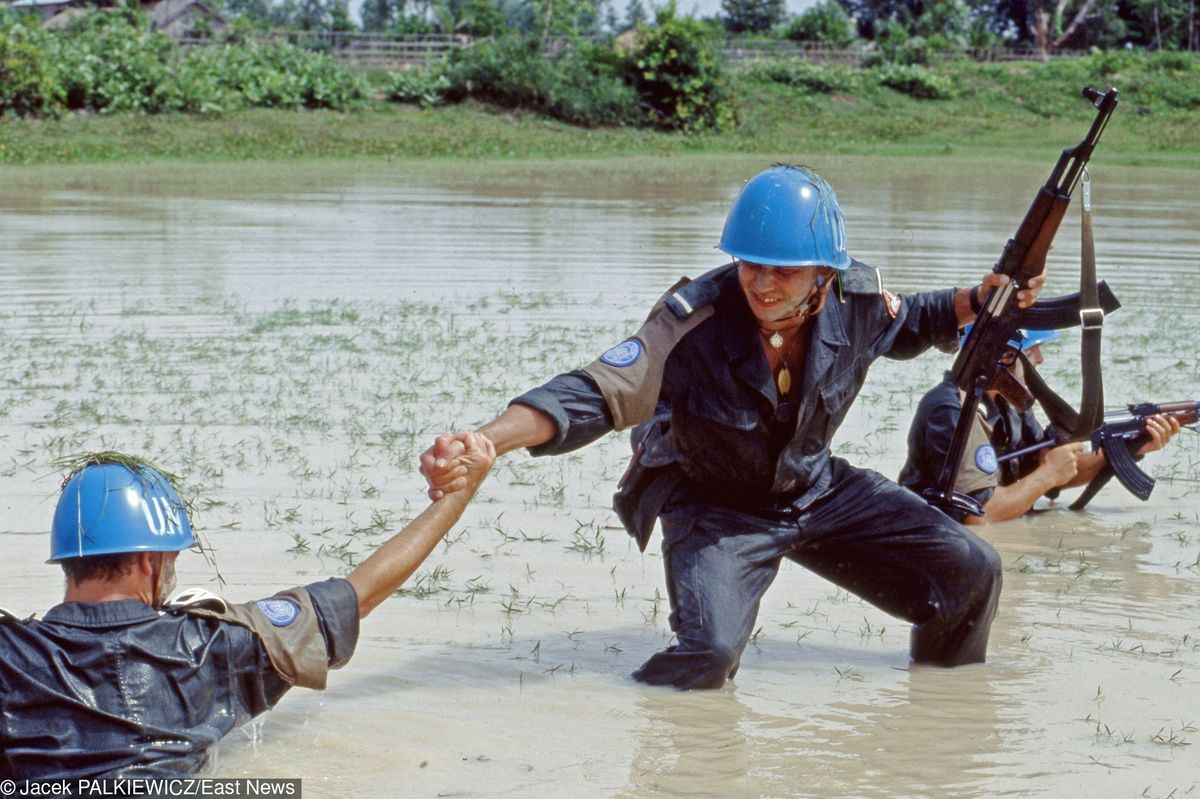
<point>121,689</point>
<point>749,478</point>
<point>999,429</point>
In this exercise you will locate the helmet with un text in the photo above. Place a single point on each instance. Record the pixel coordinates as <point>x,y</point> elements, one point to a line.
<point>110,508</point>
<point>786,216</point>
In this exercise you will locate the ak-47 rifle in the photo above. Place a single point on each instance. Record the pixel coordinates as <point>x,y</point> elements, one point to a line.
<point>978,365</point>
<point>1120,437</point>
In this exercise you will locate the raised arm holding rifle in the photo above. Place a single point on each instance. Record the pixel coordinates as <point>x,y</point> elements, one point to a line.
<point>981,367</point>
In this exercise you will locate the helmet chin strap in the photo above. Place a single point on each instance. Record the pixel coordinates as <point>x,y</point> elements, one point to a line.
<point>812,302</point>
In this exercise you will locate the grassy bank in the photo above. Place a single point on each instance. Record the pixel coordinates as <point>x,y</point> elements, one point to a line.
<point>1020,110</point>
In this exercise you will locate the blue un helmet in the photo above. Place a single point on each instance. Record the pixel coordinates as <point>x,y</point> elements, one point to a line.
<point>1024,339</point>
<point>786,216</point>
<point>110,508</point>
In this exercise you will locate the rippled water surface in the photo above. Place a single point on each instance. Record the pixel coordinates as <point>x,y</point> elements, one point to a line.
<point>289,338</point>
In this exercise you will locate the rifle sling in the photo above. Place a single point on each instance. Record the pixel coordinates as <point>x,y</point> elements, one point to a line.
<point>1076,426</point>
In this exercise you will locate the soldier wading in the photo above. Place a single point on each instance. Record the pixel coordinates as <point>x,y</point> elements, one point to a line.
<point>735,384</point>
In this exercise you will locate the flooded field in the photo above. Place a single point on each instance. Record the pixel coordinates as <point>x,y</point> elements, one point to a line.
<point>289,339</point>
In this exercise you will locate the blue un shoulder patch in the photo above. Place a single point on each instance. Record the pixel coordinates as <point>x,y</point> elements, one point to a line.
<point>985,459</point>
<point>280,612</point>
<point>624,354</point>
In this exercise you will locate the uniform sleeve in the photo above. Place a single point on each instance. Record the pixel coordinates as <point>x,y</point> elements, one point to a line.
<point>336,603</point>
<point>574,403</point>
<point>977,475</point>
<point>924,320</point>
<point>303,632</point>
<point>619,389</point>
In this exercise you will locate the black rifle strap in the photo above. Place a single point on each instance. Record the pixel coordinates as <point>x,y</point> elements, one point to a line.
<point>1091,322</point>
<point>1076,426</point>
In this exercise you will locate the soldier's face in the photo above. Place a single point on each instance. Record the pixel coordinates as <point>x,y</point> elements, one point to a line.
<point>779,298</point>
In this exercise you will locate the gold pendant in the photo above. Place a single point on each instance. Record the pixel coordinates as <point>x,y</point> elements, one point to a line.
<point>784,381</point>
<point>776,340</point>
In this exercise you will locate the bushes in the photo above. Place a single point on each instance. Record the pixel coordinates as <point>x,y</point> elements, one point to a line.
<point>112,61</point>
<point>580,84</point>
<point>805,75</point>
<point>678,77</point>
<point>670,80</point>
<point>916,81</point>
<point>28,82</point>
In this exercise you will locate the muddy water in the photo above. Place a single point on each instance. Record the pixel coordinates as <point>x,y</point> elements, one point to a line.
<point>289,339</point>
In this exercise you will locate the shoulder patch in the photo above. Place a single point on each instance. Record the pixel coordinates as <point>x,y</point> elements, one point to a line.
<point>985,459</point>
<point>624,354</point>
<point>280,612</point>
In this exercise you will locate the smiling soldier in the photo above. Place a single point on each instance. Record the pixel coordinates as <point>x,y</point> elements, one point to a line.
<point>736,383</point>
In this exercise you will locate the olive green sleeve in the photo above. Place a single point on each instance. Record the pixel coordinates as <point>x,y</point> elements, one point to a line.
<point>631,385</point>
<point>289,628</point>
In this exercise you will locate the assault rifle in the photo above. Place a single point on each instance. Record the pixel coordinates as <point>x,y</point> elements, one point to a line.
<point>1120,437</point>
<point>978,365</point>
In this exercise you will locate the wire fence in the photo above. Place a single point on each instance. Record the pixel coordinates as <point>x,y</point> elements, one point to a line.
<point>397,51</point>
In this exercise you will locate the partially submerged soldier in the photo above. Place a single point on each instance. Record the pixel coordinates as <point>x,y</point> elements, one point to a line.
<point>736,383</point>
<point>118,682</point>
<point>1006,488</point>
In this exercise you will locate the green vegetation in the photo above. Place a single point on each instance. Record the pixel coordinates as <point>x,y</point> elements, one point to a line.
<point>786,108</point>
<point>114,62</point>
<point>109,88</point>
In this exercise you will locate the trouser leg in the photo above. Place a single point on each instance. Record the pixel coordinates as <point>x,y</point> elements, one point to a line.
<point>717,572</point>
<point>883,543</point>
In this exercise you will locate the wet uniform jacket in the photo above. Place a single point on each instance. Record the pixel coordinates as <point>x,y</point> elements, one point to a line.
<point>121,689</point>
<point>698,360</point>
<point>999,428</point>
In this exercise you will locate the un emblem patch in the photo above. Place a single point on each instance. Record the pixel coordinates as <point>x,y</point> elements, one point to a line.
<point>624,354</point>
<point>985,459</point>
<point>280,612</point>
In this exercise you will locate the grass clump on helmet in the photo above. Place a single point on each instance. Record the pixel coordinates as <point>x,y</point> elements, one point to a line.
<point>112,504</point>
<point>786,216</point>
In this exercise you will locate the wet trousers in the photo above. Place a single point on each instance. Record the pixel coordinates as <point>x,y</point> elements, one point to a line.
<point>866,534</point>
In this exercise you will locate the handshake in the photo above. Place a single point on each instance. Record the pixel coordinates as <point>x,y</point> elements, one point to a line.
<point>457,462</point>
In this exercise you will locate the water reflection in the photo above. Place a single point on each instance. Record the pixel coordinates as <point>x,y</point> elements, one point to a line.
<point>924,732</point>
<point>289,336</point>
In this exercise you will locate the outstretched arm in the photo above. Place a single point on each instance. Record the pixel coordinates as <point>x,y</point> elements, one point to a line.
<point>377,577</point>
<point>1010,501</point>
<point>519,426</point>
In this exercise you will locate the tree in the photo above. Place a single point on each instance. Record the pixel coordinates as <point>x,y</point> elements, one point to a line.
<point>635,13</point>
<point>751,16</point>
<point>826,22</point>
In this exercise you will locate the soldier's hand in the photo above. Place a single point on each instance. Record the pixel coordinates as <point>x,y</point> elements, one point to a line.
<point>1062,462</point>
<point>478,456</point>
<point>1160,429</point>
<point>1025,297</point>
<point>440,467</point>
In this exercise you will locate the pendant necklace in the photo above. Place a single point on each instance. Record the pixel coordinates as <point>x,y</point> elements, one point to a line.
<point>784,379</point>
